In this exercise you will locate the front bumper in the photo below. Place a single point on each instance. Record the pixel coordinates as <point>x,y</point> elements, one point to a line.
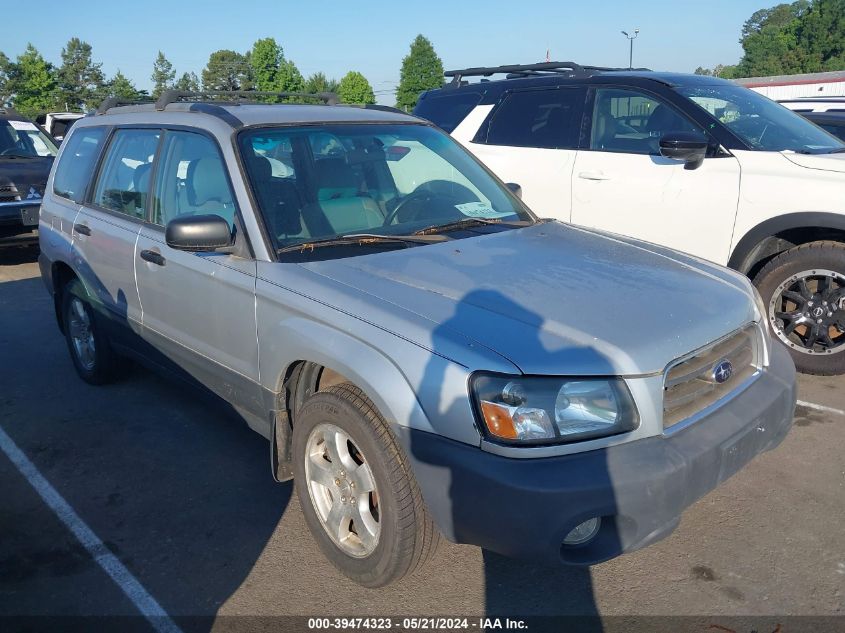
<point>525,507</point>
<point>18,217</point>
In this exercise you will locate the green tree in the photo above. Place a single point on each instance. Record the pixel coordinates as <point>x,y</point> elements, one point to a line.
<point>33,84</point>
<point>354,88</point>
<point>226,70</point>
<point>265,59</point>
<point>6,70</point>
<point>421,70</point>
<point>271,71</point>
<point>188,82</point>
<point>319,83</point>
<point>81,81</point>
<point>121,87</point>
<point>163,74</point>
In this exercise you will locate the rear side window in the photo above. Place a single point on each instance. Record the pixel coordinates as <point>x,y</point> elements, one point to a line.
<point>78,159</point>
<point>124,180</point>
<point>538,118</point>
<point>447,110</point>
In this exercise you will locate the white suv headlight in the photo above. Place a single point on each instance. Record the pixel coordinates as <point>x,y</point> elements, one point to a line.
<point>540,410</point>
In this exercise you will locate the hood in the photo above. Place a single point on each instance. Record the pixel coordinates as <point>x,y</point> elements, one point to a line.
<point>26,174</point>
<point>826,162</point>
<point>555,299</point>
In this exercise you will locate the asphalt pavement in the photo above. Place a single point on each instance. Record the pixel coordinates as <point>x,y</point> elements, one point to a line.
<point>179,493</point>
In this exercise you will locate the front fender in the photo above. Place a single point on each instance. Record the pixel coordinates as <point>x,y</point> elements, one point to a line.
<point>293,339</point>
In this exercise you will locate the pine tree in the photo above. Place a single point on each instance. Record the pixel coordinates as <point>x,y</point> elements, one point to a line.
<point>163,74</point>
<point>188,82</point>
<point>421,70</point>
<point>81,81</point>
<point>34,85</point>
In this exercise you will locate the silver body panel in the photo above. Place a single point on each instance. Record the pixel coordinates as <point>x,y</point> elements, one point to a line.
<point>408,326</point>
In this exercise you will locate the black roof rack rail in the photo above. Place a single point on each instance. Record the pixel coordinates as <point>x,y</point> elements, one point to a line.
<point>518,71</point>
<point>241,96</point>
<point>114,102</point>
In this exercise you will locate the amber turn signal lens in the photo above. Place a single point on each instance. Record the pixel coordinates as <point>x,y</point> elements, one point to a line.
<point>498,420</point>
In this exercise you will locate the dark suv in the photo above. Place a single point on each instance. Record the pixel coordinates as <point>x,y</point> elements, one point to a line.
<point>26,155</point>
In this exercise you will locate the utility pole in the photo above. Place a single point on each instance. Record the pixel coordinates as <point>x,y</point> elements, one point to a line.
<point>631,39</point>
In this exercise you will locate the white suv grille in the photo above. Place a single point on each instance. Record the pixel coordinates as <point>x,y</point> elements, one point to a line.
<point>692,384</point>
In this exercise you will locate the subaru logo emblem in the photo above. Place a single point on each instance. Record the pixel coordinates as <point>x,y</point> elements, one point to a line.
<point>723,371</point>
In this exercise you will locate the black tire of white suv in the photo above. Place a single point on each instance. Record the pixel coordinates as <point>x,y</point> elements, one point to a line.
<point>357,492</point>
<point>803,290</point>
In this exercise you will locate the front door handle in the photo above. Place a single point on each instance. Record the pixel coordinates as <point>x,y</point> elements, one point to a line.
<point>153,257</point>
<point>82,229</point>
<point>593,175</point>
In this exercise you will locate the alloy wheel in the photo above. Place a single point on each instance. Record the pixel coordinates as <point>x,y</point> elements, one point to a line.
<point>343,490</point>
<point>807,312</point>
<point>82,335</point>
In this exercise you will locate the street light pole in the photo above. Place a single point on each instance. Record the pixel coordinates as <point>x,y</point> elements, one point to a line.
<point>631,39</point>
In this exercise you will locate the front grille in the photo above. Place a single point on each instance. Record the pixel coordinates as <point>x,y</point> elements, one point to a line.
<point>691,385</point>
<point>9,193</point>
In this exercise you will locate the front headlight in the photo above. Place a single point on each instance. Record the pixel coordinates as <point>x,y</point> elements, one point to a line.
<point>539,410</point>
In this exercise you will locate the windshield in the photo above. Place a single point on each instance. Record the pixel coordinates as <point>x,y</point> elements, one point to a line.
<point>759,121</point>
<point>314,183</point>
<point>22,139</point>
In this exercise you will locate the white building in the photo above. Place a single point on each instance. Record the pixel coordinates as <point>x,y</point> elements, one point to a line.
<point>779,87</point>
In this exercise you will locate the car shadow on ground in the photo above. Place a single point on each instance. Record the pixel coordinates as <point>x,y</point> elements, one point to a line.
<point>175,484</point>
<point>168,476</point>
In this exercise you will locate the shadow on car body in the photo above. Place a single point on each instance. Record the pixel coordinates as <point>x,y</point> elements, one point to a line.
<point>513,587</point>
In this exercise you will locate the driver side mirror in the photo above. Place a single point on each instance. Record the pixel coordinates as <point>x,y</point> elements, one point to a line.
<point>688,147</point>
<point>198,233</point>
<point>515,188</point>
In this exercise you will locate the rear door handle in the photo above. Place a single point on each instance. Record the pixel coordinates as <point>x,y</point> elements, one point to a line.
<point>153,257</point>
<point>82,229</point>
<point>593,175</point>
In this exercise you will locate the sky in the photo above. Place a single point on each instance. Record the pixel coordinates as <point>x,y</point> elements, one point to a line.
<point>372,36</point>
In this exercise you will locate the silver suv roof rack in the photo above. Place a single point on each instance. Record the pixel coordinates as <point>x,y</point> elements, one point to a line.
<point>239,96</point>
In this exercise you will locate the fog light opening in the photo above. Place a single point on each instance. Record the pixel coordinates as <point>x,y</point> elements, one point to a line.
<point>583,532</point>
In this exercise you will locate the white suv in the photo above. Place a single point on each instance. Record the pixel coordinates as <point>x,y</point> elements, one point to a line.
<point>695,163</point>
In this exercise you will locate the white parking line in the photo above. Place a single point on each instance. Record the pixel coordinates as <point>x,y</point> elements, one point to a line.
<point>820,407</point>
<point>124,579</point>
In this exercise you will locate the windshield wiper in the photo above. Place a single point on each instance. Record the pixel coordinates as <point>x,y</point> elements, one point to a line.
<point>17,156</point>
<point>466,223</point>
<point>362,239</point>
<point>837,150</point>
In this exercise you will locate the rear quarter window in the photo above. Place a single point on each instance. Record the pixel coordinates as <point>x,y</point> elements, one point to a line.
<point>447,110</point>
<point>74,171</point>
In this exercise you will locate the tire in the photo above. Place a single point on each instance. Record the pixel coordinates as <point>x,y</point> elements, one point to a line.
<point>389,534</point>
<point>96,365</point>
<point>803,290</point>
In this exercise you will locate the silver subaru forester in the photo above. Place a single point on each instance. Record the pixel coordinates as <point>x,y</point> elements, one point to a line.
<point>425,356</point>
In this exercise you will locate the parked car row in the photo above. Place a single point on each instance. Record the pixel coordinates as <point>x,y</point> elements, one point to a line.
<point>424,354</point>
<point>26,156</point>
<point>828,113</point>
<point>695,163</point>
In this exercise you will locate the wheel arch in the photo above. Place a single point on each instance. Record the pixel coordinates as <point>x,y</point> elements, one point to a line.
<point>776,235</point>
<point>61,273</point>
<point>311,356</point>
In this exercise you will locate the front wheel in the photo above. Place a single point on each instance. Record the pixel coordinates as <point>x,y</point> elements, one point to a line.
<point>804,293</point>
<point>359,498</point>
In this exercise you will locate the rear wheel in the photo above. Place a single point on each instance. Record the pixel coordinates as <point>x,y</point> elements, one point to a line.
<point>804,293</point>
<point>359,498</point>
<point>92,356</point>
